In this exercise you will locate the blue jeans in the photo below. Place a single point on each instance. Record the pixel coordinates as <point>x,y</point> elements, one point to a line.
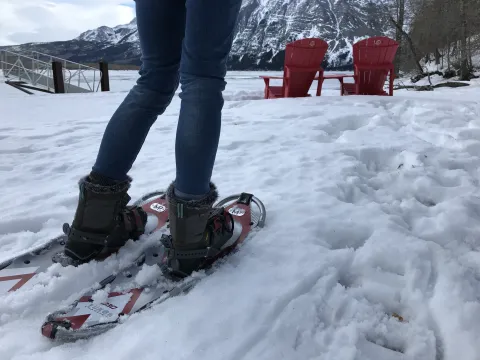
<point>184,41</point>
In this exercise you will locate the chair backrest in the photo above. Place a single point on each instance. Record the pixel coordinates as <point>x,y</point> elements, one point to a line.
<point>305,54</point>
<point>375,51</point>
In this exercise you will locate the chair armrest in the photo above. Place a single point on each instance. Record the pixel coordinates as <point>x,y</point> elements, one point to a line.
<point>338,76</point>
<point>303,69</point>
<point>374,67</point>
<point>270,77</point>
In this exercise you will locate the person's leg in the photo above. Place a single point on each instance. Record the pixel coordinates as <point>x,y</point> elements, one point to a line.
<point>199,232</point>
<point>208,39</point>
<point>161,28</point>
<point>102,221</point>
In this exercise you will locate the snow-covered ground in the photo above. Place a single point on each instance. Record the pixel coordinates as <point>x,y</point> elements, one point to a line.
<point>373,209</point>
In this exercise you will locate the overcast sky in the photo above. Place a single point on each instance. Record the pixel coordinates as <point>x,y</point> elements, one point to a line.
<point>24,21</point>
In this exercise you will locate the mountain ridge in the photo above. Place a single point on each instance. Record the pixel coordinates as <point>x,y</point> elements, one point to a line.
<point>263,29</point>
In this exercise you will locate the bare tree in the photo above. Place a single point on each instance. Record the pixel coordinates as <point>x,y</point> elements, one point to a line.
<point>447,27</point>
<point>399,24</point>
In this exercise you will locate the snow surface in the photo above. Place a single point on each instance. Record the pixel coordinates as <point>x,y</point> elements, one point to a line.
<point>373,208</point>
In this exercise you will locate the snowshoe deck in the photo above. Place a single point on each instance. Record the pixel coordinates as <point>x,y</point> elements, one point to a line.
<point>126,293</point>
<point>21,269</point>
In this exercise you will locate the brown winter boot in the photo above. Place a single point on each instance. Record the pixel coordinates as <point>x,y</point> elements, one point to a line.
<point>198,233</point>
<point>103,222</point>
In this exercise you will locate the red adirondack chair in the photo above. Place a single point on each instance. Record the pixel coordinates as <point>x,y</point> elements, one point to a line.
<point>372,62</point>
<point>303,59</point>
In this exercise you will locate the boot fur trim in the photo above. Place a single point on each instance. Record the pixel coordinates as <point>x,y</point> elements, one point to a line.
<point>100,189</point>
<point>207,201</point>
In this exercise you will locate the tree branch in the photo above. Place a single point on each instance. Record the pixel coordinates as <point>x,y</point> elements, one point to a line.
<point>410,43</point>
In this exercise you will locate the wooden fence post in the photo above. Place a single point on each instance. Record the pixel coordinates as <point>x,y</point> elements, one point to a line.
<point>58,83</point>
<point>105,81</point>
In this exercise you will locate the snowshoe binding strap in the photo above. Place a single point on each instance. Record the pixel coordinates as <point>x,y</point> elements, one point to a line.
<point>218,231</point>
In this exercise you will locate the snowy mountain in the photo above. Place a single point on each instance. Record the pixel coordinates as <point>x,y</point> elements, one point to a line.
<point>263,29</point>
<point>265,26</point>
<point>116,35</point>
